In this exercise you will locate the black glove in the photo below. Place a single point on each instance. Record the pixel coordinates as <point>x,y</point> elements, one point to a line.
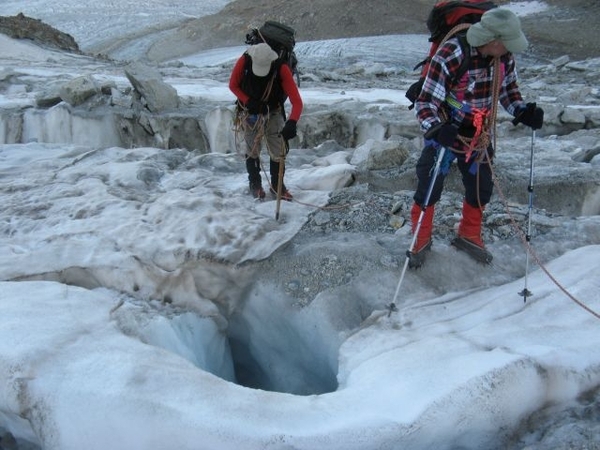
<point>444,133</point>
<point>256,107</point>
<point>289,130</point>
<point>530,115</point>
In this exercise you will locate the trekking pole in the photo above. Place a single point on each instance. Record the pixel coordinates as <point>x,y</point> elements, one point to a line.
<point>392,306</point>
<point>279,188</point>
<point>280,178</point>
<point>526,292</point>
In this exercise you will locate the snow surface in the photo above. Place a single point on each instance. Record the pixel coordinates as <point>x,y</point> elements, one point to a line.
<point>121,267</point>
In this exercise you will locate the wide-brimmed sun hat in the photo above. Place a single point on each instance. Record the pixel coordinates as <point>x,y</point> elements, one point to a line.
<point>501,24</point>
<point>262,56</point>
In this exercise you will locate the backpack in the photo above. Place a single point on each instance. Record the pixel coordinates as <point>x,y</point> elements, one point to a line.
<point>281,39</point>
<point>444,17</point>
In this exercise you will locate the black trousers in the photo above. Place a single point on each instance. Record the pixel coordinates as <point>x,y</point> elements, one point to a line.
<point>476,177</point>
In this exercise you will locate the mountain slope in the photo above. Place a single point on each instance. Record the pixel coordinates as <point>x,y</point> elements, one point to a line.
<point>565,27</point>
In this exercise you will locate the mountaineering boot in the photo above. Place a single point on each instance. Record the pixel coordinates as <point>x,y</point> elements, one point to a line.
<point>274,169</point>
<point>469,234</point>
<point>257,191</point>
<point>254,178</point>
<point>416,257</point>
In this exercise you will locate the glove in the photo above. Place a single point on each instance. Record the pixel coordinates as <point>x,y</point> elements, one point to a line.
<point>289,130</point>
<point>256,107</point>
<point>530,115</point>
<point>444,133</point>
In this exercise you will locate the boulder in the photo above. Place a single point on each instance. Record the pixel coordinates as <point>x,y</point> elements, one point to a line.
<point>78,90</point>
<point>155,95</point>
<point>375,155</point>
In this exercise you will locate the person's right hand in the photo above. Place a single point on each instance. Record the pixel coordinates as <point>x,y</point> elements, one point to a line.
<point>444,134</point>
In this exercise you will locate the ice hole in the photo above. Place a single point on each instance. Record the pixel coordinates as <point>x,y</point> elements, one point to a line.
<point>264,346</point>
<point>282,350</point>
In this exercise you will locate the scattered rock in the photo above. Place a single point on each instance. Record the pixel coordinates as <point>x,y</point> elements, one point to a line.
<point>374,155</point>
<point>586,155</point>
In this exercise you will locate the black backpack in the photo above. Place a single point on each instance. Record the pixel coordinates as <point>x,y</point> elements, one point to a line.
<point>443,18</point>
<point>281,38</point>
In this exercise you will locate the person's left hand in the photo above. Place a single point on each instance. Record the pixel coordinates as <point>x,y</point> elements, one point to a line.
<point>289,130</point>
<point>530,115</point>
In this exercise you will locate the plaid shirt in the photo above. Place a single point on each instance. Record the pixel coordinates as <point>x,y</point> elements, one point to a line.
<point>476,92</point>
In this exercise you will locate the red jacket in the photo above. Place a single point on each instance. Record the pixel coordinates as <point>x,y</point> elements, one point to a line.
<point>286,80</point>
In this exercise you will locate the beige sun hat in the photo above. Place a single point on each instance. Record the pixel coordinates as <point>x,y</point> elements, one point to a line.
<point>262,56</point>
<point>501,24</point>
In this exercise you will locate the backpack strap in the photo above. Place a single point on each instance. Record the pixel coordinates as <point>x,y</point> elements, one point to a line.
<point>456,29</point>
<point>459,30</point>
<point>465,63</point>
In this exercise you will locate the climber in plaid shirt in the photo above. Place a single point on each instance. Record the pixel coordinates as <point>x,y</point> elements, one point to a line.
<point>473,91</point>
<point>460,115</point>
